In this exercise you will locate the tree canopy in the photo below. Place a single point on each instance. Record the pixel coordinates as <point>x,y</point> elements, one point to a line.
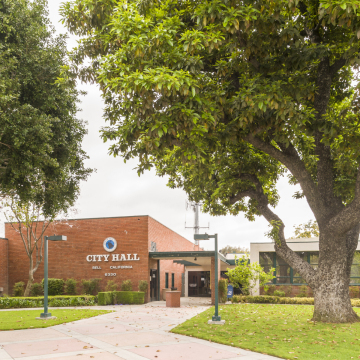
<point>226,96</point>
<point>41,159</point>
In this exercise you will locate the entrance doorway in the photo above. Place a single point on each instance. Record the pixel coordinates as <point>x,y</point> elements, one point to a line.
<point>199,283</point>
<point>153,285</point>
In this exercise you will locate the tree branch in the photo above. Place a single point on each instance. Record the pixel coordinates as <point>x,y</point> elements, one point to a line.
<point>281,247</point>
<point>290,158</point>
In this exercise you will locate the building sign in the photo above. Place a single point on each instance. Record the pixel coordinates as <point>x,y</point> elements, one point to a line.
<point>110,245</point>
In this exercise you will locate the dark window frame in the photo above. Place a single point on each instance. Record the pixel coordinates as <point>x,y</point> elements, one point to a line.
<point>291,275</point>
<point>166,280</point>
<point>172,280</point>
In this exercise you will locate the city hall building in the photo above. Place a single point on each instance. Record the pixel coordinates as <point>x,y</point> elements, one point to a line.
<point>118,248</point>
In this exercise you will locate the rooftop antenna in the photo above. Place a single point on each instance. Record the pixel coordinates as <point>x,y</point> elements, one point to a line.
<point>195,207</point>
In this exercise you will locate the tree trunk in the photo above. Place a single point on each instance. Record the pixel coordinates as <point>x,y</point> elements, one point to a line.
<point>31,278</point>
<point>331,292</point>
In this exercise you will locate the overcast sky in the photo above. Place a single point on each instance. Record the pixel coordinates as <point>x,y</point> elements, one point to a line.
<point>116,190</point>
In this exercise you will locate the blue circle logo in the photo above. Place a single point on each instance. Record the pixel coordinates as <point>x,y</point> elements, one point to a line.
<point>110,244</point>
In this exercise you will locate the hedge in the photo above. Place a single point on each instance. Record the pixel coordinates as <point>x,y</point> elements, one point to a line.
<point>264,299</point>
<point>121,297</point>
<point>54,301</point>
<point>105,298</point>
<point>128,297</point>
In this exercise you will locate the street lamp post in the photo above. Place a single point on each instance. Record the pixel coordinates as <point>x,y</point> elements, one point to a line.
<point>46,314</point>
<point>216,319</point>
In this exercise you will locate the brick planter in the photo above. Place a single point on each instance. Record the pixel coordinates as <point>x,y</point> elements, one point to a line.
<point>173,298</point>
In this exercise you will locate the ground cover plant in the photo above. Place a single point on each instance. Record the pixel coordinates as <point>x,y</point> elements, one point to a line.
<point>26,319</point>
<point>279,330</point>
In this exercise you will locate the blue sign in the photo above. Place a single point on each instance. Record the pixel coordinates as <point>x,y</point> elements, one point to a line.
<point>230,291</point>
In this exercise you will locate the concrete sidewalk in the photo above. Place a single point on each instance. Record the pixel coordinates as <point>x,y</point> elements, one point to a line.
<point>130,333</point>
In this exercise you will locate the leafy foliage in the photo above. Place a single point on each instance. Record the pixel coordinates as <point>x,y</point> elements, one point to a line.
<point>36,289</point>
<point>228,249</point>
<point>223,283</point>
<point>143,286</point>
<point>19,289</point>
<point>126,285</point>
<point>111,286</point>
<point>307,230</point>
<point>55,286</point>
<point>246,274</point>
<point>70,286</point>
<point>225,97</point>
<point>91,286</point>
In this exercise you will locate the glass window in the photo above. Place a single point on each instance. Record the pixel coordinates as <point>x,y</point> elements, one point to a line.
<point>355,270</point>
<point>354,280</point>
<point>298,280</point>
<point>314,257</point>
<point>266,259</point>
<point>356,257</point>
<point>166,280</point>
<point>172,280</point>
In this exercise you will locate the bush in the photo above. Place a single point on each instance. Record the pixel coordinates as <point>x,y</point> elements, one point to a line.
<point>126,285</point>
<point>279,293</point>
<point>269,289</point>
<point>264,299</point>
<point>354,291</point>
<point>111,286</point>
<point>70,286</point>
<point>91,286</point>
<point>36,290</point>
<point>55,286</point>
<point>19,289</point>
<point>105,298</point>
<point>223,283</point>
<point>128,297</point>
<point>31,302</point>
<point>303,291</point>
<point>143,286</point>
<point>287,289</point>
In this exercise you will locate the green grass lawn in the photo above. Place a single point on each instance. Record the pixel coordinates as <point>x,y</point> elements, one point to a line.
<point>25,319</point>
<point>279,330</point>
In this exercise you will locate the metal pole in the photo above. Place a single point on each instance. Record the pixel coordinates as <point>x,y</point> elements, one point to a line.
<point>216,317</point>
<point>45,314</point>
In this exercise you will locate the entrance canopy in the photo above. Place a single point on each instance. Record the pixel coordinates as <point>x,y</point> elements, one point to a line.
<point>191,258</point>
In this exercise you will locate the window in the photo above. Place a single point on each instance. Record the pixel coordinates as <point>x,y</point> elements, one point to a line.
<point>172,280</point>
<point>286,275</point>
<point>166,280</point>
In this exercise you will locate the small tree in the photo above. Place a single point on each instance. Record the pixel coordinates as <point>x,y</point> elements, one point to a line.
<point>228,249</point>
<point>246,275</point>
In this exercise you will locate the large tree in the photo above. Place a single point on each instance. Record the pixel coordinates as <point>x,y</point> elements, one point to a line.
<point>41,159</point>
<point>225,96</point>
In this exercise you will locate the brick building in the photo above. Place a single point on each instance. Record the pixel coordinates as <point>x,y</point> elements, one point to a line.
<point>117,248</point>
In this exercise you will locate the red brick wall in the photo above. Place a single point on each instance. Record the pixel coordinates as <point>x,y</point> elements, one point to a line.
<point>85,237</point>
<point>4,280</point>
<point>168,240</point>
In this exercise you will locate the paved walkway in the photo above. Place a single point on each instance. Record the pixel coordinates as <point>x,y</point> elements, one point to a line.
<point>130,333</point>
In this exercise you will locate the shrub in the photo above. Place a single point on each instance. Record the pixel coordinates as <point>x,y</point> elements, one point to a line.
<point>105,298</point>
<point>286,289</point>
<point>126,285</point>
<point>143,286</point>
<point>36,290</point>
<point>55,286</point>
<point>31,302</point>
<point>354,291</point>
<point>19,289</point>
<point>70,286</point>
<point>91,287</point>
<point>128,297</point>
<point>279,293</point>
<point>111,286</point>
<point>303,291</point>
<point>269,289</point>
<point>223,290</point>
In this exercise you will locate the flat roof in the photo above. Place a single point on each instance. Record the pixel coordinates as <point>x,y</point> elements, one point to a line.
<point>181,255</point>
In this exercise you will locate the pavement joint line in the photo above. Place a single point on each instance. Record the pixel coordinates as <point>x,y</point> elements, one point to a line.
<point>58,354</point>
<point>4,355</point>
<point>31,341</point>
<point>128,347</point>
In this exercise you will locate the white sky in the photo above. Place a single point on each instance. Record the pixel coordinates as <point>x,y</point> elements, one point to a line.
<point>116,190</point>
